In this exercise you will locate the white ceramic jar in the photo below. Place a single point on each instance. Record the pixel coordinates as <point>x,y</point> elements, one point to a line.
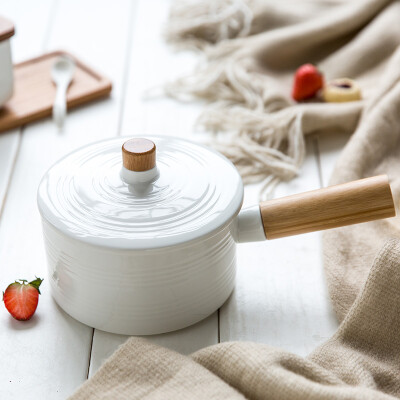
<point>141,241</point>
<point>6,66</point>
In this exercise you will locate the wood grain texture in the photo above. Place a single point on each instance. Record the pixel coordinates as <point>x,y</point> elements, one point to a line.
<point>349,203</point>
<point>34,91</point>
<point>9,143</point>
<point>139,154</point>
<point>48,357</point>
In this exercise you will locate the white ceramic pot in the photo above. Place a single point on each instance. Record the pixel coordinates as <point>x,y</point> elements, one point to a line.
<point>6,66</point>
<point>145,244</point>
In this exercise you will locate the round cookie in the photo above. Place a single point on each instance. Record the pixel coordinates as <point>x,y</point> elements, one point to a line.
<point>341,90</point>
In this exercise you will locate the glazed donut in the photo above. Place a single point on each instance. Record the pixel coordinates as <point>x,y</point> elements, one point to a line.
<point>341,90</point>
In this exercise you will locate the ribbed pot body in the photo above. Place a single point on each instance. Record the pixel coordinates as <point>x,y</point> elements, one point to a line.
<point>141,292</point>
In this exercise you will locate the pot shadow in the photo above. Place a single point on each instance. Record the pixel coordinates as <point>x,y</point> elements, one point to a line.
<point>64,314</point>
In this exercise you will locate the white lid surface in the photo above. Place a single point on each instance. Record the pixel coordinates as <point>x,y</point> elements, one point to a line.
<point>197,191</point>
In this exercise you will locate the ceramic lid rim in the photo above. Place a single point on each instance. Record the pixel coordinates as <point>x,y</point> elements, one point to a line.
<point>142,244</point>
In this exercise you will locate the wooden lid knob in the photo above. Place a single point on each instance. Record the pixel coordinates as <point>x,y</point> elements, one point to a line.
<point>139,154</point>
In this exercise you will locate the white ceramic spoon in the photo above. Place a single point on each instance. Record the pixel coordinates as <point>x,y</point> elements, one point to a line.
<point>61,73</point>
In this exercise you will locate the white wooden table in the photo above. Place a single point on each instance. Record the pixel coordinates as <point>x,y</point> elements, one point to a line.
<point>280,297</point>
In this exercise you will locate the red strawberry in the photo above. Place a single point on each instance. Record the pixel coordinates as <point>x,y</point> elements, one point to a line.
<point>307,81</point>
<point>21,298</point>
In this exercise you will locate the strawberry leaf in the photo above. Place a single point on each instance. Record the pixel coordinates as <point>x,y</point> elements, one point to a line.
<point>36,283</point>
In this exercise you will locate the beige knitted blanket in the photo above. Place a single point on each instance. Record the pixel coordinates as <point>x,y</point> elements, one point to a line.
<point>359,39</point>
<point>361,361</point>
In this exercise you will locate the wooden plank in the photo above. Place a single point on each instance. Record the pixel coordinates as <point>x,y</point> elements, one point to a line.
<point>30,29</point>
<point>185,341</point>
<point>151,64</point>
<point>47,357</point>
<point>32,22</point>
<point>280,297</point>
<point>329,148</point>
<point>28,41</point>
<point>8,150</point>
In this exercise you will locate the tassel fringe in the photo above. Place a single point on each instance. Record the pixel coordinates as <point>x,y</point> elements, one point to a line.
<point>197,24</point>
<point>264,137</point>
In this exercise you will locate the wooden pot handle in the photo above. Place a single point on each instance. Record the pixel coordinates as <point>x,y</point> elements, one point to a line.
<point>346,204</point>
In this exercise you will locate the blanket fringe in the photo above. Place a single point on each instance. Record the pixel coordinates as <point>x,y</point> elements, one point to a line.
<point>265,137</point>
<point>197,24</point>
<point>267,155</point>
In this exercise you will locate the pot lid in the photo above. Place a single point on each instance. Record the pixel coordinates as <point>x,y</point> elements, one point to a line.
<point>6,28</point>
<point>97,196</point>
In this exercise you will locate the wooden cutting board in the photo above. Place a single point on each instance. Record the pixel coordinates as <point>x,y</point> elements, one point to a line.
<point>34,90</point>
